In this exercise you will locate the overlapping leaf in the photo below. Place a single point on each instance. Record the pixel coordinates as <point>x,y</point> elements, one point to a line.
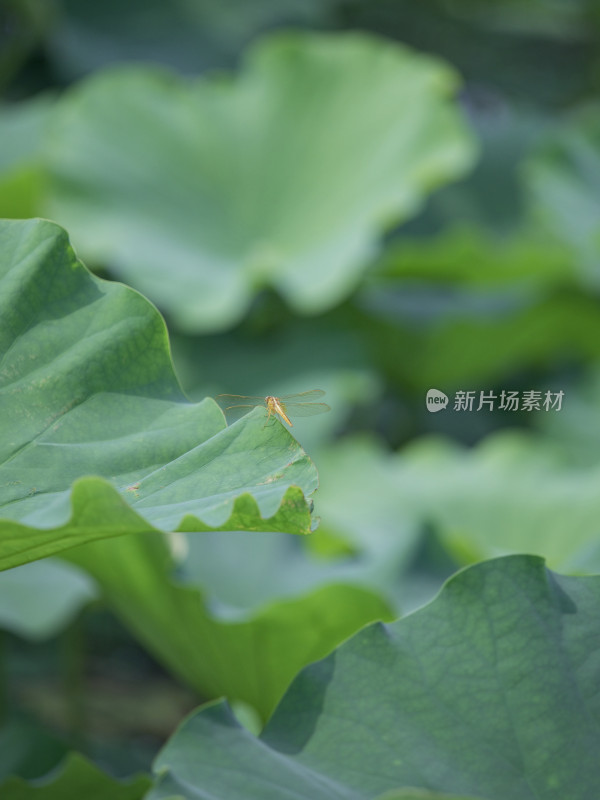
<point>489,691</point>
<point>87,389</point>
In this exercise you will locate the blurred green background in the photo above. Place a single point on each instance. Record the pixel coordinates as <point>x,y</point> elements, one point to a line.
<point>372,197</point>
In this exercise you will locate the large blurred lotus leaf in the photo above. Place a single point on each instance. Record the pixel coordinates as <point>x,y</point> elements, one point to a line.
<point>77,779</point>
<point>200,193</point>
<point>248,654</point>
<point>37,600</point>
<point>87,389</point>
<point>490,690</point>
<point>564,180</point>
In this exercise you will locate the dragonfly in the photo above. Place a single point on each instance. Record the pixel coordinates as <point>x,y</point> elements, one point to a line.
<point>286,406</point>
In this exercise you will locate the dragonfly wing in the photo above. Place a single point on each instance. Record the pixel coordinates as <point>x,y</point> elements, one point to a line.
<point>305,409</point>
<point>240,401</point>
<point>303,397</point>
<point>241,405</point>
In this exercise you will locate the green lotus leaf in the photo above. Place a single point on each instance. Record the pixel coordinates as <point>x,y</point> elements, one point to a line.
<point>199,193</point>
<point>98,439</point>
<point>76,779</point>
<point>490,690</point>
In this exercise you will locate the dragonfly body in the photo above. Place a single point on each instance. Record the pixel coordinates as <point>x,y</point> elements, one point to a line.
<point>299,405</point>
<point>276,406</point>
